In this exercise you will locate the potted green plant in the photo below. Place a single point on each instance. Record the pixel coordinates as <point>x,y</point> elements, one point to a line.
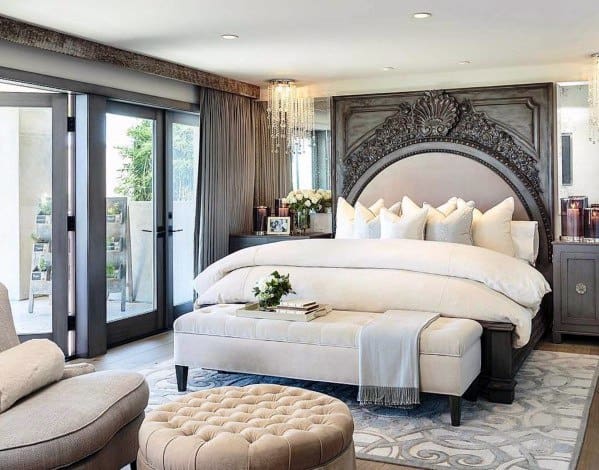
<point>270,289</point>
<point>114,213</point>
<point>112,271</point>
<point>44,210</point>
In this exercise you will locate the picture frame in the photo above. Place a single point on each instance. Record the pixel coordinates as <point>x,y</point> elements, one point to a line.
<point>278,226</point>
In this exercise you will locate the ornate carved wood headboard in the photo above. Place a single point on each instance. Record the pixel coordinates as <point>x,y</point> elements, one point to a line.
<point>508,130</point>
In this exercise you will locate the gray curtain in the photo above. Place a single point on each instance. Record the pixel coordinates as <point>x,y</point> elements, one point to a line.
<point>273,172</point>
<point>236,168</point>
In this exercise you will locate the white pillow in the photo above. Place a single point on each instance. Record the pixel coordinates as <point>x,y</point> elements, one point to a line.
<point>446,208</point>
<point>344,227</point>
<point>446,223</point>
<point>366,223</point>
<point>525,237</point>
<point>407,226</point>
<point>453,228</point>
<point>492,229</point>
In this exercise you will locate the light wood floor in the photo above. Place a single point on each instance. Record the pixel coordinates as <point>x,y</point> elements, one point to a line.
<point>150,351</point>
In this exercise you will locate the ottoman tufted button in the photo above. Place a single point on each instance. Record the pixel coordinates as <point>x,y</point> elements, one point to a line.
<point>253,427</point>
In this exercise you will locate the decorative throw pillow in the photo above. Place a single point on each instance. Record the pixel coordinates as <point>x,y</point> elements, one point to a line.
<point>346,215</point>
<point>366,223</point>
<point>446,208</point>
<point>407,226</point>
<point>28,367</point>
<point>493,229</point>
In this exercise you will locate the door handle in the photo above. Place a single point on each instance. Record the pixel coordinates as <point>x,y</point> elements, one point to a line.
<point>170,230</point>
<point>159,232</point>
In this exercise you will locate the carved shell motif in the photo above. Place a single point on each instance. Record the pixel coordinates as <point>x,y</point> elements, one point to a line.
<point>435,114</point>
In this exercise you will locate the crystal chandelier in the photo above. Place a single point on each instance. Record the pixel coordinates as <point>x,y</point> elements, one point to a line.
<point>594,99</point>
<point>290,117</point>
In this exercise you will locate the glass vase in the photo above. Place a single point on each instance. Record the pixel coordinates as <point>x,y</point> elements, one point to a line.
<point>301,222</point>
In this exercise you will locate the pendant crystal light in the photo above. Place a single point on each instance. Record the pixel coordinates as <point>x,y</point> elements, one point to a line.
<point>290,117</point>
<point>594,99</point>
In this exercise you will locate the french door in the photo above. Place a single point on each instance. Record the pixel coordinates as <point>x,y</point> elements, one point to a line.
<point>151,175</point>
<point>34,251</point>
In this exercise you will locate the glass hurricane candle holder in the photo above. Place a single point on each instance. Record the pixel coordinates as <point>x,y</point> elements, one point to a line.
<point>261,214</point>
<point>281,207</point>
<point>591,223</point>
<point>572,217</point>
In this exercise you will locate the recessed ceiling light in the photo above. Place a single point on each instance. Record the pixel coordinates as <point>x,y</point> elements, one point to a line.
<point>388,69</point>
<point>464,62</point>
<point>229,36</point>
<point>421,15</point>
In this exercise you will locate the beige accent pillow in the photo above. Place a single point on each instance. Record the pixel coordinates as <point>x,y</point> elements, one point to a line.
<point>493,229</point>
<point>346,214</point>
<point>408,226</point>
<point>28,367</point>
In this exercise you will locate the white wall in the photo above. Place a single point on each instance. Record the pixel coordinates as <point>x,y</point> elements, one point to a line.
<point>466,77</point>
<point>29,59</point>
<point>573,118</point>
<point>25,174</point>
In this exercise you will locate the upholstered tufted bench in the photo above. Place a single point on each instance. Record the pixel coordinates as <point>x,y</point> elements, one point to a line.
<point>253,427</point>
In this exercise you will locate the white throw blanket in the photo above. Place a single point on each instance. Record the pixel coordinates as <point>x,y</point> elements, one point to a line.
<point>390,358</point>
<point>457,281</point>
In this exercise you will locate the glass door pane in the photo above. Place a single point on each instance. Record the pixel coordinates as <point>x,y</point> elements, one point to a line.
<point>183,156</point>
<point>33,201</point>
<point>130,216</point>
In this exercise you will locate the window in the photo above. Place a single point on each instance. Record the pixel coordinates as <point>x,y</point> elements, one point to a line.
<point>311,167</point>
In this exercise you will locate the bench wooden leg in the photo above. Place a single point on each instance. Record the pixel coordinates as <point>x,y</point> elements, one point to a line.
<point>181,372</point>
<point>455,407</point>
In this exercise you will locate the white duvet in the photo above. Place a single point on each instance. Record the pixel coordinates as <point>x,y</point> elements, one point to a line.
<point>379,275</point>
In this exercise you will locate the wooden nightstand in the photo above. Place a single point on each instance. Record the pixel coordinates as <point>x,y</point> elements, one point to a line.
<point>575,289</point>
<point>239,241</point>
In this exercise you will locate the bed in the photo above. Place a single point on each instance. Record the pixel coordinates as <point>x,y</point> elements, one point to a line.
<point>482,144</point>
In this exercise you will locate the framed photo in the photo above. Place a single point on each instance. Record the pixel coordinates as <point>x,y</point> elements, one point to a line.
<point>278,226</point>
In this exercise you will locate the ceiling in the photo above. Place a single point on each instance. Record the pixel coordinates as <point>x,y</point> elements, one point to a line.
<point>326,40</point>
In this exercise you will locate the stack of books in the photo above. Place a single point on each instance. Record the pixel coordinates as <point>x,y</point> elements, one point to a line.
<point>290,310</point>
<point>306,308</point>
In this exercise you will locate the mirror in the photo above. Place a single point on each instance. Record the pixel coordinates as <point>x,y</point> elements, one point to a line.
<point>311,168</point>
<point>578,156</point>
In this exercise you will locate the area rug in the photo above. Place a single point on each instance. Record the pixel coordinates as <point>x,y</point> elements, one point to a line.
<point>542,429</point>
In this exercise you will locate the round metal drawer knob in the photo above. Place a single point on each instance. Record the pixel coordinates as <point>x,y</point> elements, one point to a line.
<point>581,288</point>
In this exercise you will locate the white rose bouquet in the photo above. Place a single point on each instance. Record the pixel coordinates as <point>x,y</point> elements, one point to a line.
<point>309,200</point>
<point>271,288</point>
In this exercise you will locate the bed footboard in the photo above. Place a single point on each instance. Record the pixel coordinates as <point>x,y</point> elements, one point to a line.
<point>501,361</point>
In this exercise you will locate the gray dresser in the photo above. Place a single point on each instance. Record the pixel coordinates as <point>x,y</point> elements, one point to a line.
<point>575,286</point>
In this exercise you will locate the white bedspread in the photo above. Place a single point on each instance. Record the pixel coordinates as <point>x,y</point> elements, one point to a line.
<point>379,275</point>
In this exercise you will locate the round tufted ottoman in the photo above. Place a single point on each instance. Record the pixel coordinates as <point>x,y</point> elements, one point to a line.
<point>254,427</point>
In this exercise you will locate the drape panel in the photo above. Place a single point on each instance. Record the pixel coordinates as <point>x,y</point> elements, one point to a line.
<point>236,169</point>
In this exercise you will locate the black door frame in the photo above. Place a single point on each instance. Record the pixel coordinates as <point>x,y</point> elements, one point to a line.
<point>174,117</point>
<point>137,326</point>
<point>58,102</point>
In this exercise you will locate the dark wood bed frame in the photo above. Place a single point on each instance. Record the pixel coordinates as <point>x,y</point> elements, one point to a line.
<point>509,129</point>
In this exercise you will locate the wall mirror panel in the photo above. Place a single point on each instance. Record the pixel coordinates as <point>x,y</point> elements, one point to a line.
<point>578,159</point>
<point>311,168</point>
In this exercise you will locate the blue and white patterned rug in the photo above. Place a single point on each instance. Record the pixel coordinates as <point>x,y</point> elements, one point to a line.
<point>543,428</point>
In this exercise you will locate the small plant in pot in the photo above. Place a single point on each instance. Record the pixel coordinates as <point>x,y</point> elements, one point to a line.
<point>112,271</point>
<point>270,289</point>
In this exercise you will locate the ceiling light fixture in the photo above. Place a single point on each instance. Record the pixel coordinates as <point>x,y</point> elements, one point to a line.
<point>229,36</point>
<point>464,62</point>
<point>388,69</point>
<point>290,117</point>
<point>421,15</point>
<point>594,99</point>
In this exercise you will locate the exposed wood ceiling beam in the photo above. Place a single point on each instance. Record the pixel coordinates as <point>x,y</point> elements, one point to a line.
<point>34,36</point>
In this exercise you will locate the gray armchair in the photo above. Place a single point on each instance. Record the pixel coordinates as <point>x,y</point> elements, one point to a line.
<point>87,421</point>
